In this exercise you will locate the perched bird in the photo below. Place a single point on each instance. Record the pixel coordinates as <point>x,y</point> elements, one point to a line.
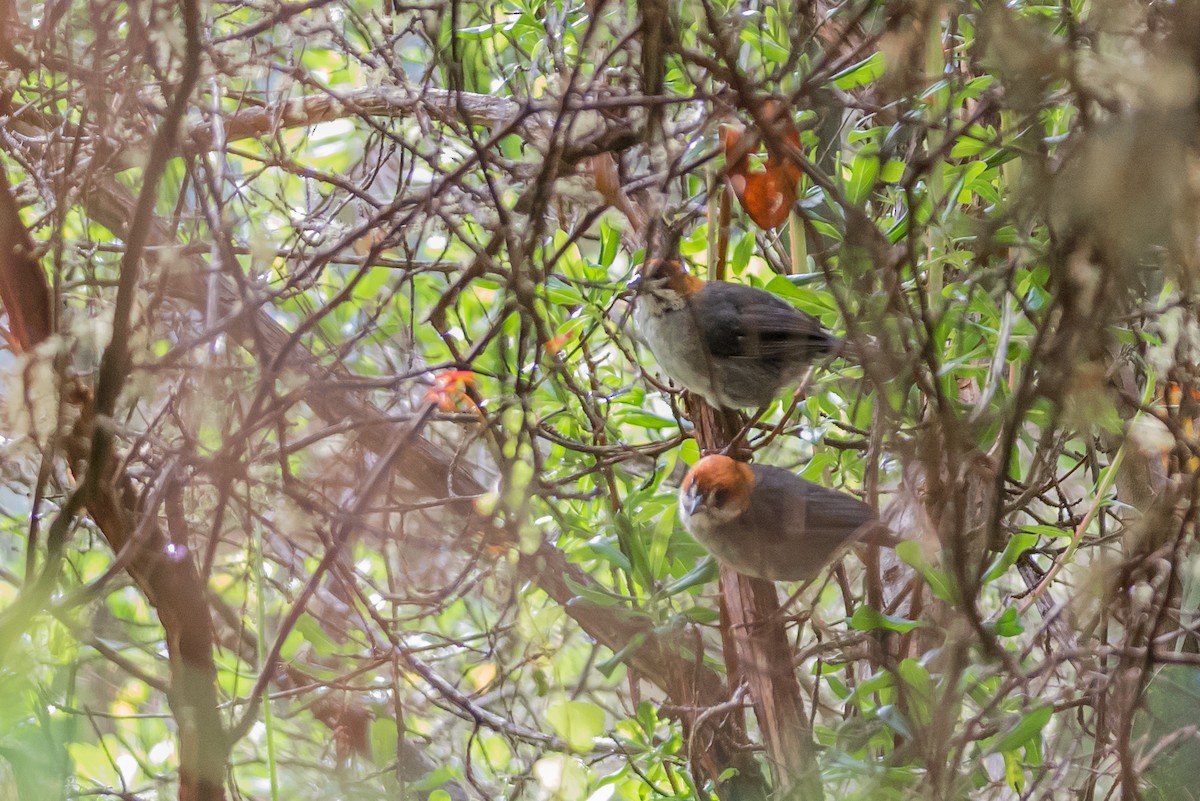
<point>767,522</point>
<point>736,346</point>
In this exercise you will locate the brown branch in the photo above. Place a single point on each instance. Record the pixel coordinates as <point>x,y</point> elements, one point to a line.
<point>172,584</point>
<point>378,101</point>
<point>23,287</point>
<point>176,591</point>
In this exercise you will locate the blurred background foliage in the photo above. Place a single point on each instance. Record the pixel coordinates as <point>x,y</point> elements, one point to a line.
<point>386,399</point>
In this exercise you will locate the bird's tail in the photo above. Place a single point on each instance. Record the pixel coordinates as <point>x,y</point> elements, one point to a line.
<point>877,533</point>
<point>860,352</point>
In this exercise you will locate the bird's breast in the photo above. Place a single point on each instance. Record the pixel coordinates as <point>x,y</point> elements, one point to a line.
<point>730,543</point>
<point>677,345</point>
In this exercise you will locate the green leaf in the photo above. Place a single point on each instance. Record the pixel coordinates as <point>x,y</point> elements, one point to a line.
<point>862,73</point>
<point>562,294</point>
<point>1014,772</point>
<point>863,172</point>
<point>892,171</point>
<point>1025,729</point>
<point>702,614</point>
<point>882,680</point>
<point>91,762</point>
<point>647,717</point>
<point>1167,717</point>
<point>1017,545</point>
<point>968,176</point>
<point>919,690</point>
<point>894,719</point>
<point>645,419</point>
<point>1008,624</point>
<point>40,765</point>
<point>608,666</point>
<point>434,779</point>
<point>495,749</point>
<point>594,594</point>
<point>704,572</point>
<point>310,628</point>
<point>384,737</point>
<point>939,581</point>
<point>689,452</point>
<point>610,241</point>
<point>656,553</point>
<point>606,549</point>
<point>1048,531</point>
<point>632,539</point>
<point>867,619</point>
<point>577,722</point>
<point>743,249</point>
<point>291,645</point>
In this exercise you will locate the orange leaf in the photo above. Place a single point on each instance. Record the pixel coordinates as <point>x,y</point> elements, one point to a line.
<point>1174,394</point>
<point>555,344</point>
<point>449,390</point>
<point>767,195</point>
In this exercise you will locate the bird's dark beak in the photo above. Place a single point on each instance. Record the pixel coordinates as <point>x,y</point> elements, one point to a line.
<point>692,503</point>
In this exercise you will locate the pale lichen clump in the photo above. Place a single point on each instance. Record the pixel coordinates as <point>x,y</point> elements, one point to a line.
<point>1179,337</point>
<point>31,404</point>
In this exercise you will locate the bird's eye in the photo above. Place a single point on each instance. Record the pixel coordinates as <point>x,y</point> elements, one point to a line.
<point>720,497</point>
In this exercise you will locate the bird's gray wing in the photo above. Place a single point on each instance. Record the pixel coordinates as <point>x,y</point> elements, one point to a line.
<point>744,322</point>
<point>800,511</point>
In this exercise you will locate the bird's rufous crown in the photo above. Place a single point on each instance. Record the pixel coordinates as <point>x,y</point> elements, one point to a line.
<point>672,273</point>
<point>716,472</point>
